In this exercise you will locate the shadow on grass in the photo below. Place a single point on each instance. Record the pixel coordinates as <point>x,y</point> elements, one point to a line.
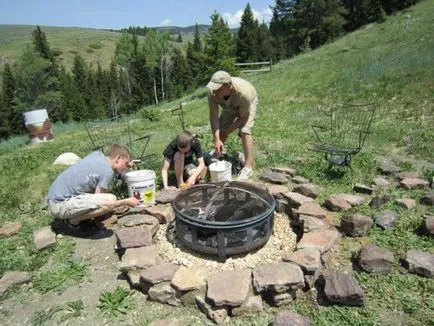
<point>86,230</point>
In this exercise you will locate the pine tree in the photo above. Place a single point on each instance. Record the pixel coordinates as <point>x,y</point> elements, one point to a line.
<point>179,77</point>
<point>317,21</point>
<point>219,50</point>
<point>195,57</point>
<point>264,47</point>
<point>10,119</point>
<point>280,26</point>
<point>79,73</point>
<point>41,45</point>
<point>361,12</point>
<point>247,39</point>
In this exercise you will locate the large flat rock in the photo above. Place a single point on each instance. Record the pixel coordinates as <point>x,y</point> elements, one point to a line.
<point>229,288</point>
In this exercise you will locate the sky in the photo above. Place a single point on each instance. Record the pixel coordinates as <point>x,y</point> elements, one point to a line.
<point>117,14</point>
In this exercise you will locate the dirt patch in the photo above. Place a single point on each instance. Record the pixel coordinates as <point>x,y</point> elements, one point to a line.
<point>102,261</point>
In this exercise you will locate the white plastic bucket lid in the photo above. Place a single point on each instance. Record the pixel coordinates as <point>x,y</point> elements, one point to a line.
<point>140,175</point>
<point>220,166</point>
<point>35,116</point>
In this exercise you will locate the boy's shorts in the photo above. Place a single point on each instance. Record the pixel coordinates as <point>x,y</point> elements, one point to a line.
<point>78,205</point>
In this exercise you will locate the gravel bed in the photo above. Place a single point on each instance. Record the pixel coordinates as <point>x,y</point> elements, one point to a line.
<point>282,241</point>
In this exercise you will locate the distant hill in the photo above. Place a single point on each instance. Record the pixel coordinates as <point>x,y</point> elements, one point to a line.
<point>182,30</point>
<point>94,45</point>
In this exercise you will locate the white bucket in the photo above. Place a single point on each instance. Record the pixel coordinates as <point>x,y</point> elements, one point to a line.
<point>38,124</point>
<point>141,184</point>
<point>220,171</point>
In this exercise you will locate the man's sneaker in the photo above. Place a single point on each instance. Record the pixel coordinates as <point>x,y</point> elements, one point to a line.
<point>245,174</point>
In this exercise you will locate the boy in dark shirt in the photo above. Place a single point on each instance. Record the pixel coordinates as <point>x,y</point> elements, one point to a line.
<point>179,155</point>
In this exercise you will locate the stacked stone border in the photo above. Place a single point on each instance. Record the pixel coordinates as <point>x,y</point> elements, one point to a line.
<point>234,293</point>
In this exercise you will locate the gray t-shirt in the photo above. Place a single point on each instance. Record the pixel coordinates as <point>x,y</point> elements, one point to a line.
<point>83,177</point>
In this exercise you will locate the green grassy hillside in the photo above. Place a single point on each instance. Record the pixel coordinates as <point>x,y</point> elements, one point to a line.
<point>93,44</point>
<point>390,64</point>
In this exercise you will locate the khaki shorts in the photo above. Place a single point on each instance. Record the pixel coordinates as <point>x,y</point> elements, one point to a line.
<point>227,118</point>
<point>79,205</point>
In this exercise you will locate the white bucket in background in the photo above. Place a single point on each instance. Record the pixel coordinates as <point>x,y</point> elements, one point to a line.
<point>141,184</point>
<point>38,124</point>
<point>220,171</point>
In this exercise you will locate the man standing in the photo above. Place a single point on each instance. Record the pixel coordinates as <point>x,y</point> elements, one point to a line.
<point>238,99</point>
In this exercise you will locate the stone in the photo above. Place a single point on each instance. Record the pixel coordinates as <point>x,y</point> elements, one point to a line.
<point>380,182</point>
<point>217,315</point>
<point>409,174</point>
<point>282,206</point>
<point>420,262</point>
<point>295,199</point>
<point>378,201</point>
<point>312,209</point>
<point>427,199</point>
<point>353,200</point>
<point>373,259</point>
<point>289,318</point>
<point>363,189</point>
<point>428,225</point>
<point>252,304</point>
<point>10,229</point>
<point>133,237</point>
<point>189,297</point>
<point>321,240</point>
<point>165,293</point>
<point>342,288</point>
<point>336,204</point>
<point>186,279</point>
<point>413,183</point>
<point>166,196</point>
<point>277,277</point>
<point>406,203</point>
<point>386,219</point>
<point>388,167</point>
<point>274,177</point>
<point>133,276</point>
<point>310,223</point>
<point>283,298</point>
<point>139,258</point>
<point>44,238</point>
<point>163,212</point>
<point>67,159</point>
<point>284,170</point>
<point>148,221</point>
<point>108,221</point>
<point>10,278</point>
<point>308,190</point>
<point>299,179</point>
<point>356,225</point>
<point>277,191</point>
<point>158,273</point>
<point>308,259</point>
<point>165,322</point>
<point>229,288</point>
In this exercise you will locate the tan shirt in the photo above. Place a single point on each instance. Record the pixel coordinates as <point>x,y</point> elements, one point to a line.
<point>238,104</point>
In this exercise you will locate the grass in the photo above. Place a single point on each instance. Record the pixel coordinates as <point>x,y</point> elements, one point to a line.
<point>70,310</point>
<point>389,63</point>
<point>118,302</point>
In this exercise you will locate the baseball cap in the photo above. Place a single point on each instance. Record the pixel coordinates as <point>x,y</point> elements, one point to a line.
<point>218,79</point>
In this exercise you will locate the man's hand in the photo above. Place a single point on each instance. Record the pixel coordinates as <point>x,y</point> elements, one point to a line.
<point>218,146</point>
<point>132,201</point>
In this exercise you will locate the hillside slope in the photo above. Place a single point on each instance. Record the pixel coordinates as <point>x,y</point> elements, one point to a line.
<point>92,44</point>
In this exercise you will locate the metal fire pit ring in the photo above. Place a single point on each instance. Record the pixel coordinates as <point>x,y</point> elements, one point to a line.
<point>231,230</point>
